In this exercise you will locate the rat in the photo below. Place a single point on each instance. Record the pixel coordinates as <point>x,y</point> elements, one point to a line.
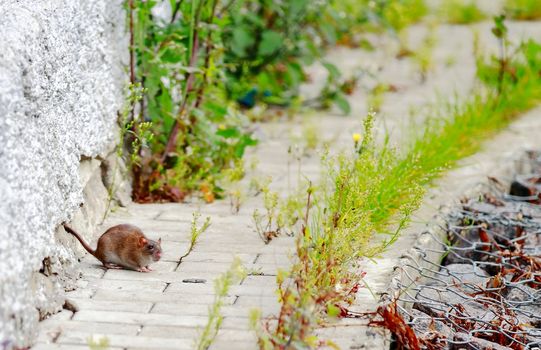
<point>124,246</point>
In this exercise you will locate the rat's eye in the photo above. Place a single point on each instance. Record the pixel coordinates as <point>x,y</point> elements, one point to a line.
<point>151,246</point>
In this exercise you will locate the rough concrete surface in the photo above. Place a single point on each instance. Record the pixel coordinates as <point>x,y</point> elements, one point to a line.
<point>61,82</point>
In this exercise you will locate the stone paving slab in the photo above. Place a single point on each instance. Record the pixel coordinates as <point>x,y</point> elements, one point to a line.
<point>44,346</point>
<point>157,296</point>
<point>113,305</point>
<point>143,319</point>
<point>52,331</point>
<point>128,341</point>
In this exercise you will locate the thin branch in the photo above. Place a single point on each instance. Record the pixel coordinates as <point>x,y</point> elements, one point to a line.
<point>194,48</point>
<point>207,57</point>
<point>175,11</point>
<point>131,8</point>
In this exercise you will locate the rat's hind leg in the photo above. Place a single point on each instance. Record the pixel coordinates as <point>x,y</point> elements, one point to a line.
<point>144,269</point>
<point>112,266</point>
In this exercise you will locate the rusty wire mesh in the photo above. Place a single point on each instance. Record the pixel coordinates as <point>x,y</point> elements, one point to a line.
<point>485,290</point>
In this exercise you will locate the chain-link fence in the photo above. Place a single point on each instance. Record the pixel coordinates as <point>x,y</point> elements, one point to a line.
<point>485,291</point>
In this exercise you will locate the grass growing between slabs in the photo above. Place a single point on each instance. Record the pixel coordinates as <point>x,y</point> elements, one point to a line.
<point>461,12</point>
<point>377,189</point>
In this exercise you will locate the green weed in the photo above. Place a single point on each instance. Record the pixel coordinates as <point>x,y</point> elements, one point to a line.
<point>377,191</point>
<point>523,9</point>
<point>460,12</point>
<point>222,284</point>
<point>199,133</point>
<point>402,13</point>
<point>354,18</point>
<point>203,67</point>
<point>134,134</point>
<point>268,225</point>
<point>101,344</point>
<point>308,138</point>
<point>311,136</point>
<point>376,96</point>
<point>423,55</point>
<point>195,232</point>
<point>230,183</point>
<point>337,225</point>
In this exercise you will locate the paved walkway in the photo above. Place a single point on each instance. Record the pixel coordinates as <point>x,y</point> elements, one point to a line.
<point>158,310</point>
<point>161,309</point>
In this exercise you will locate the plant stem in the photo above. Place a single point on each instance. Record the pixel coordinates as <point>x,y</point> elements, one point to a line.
<point>208,46</point>
<point>175,11</point>
<point>192,50</point>
<point>131,8</point>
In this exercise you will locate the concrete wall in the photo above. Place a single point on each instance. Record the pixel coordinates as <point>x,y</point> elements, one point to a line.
<point>62,74</point>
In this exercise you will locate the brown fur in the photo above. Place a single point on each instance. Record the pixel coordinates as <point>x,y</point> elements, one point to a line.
<point>123,245</point>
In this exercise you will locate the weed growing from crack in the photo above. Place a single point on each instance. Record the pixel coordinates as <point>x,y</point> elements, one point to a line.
<point>232,187</point>
<point>281,214</point>
<point>236,273</point>
<point>195,233</point>
<point>337,225</point>
<point>308,138</point>
<point>100,344</point>
<point>267,225</point>
<point>461,12</point>
<point>523,9</point>
<point>423,55</point>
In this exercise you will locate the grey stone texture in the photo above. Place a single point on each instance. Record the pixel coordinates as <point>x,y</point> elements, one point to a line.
<point>61,83</point>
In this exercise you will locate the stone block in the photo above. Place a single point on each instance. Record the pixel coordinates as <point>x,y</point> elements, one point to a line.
<point>117,179</point>
<point>140,318</point>
<point>112,305</point>
<point>170,332</point>
<point>131,342</point>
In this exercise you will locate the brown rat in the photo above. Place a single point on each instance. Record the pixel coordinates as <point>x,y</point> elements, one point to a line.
<point>124,246</point>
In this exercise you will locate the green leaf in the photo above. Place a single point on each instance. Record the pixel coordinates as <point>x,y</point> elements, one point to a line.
<point>297,7</point>
<point>267,81</point>
<point>242,39</point>
<point>295,74</point>
<point>215,111</point>
<point>328,32</point>
<point>228,133</point>
<point>245,141</point>
<point>332,310</point>
<point>172,54</point>
<point>341,102</point>
<point>334,72</point>
<point>166,103</point>
<point>271,41</point>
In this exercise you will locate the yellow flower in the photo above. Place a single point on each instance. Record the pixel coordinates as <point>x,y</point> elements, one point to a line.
<point>356,137</point>
<point>221,127</point>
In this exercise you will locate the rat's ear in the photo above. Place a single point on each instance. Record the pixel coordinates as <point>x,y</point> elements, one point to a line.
<point>160,240</point>
<point>142,242</point>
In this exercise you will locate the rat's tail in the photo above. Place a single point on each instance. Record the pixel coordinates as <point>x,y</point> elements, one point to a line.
<point>84,244</point>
